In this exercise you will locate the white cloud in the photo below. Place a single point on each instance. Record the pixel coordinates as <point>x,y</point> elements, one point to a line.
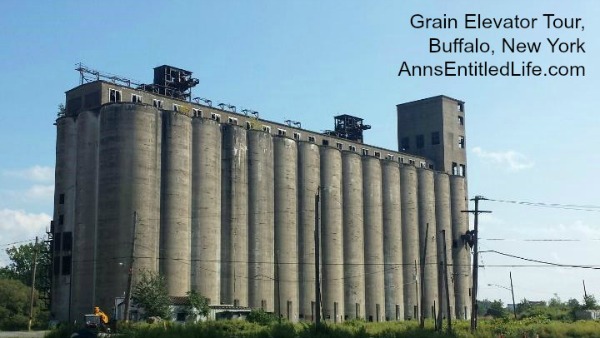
<point>41,192</point>
<point>19,225</point>
<point>514,160</point>
<point>36,173</point>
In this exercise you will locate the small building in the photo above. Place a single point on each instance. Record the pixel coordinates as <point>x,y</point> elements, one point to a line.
<point>179,313</point>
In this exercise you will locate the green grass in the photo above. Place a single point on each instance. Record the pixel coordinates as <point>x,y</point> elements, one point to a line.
<point>529,328</point>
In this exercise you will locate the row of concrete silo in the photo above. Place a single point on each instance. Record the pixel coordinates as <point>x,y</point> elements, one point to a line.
<point>230,212</point>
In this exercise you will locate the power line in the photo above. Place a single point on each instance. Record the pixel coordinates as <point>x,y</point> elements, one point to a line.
<point>594,267</point>
<point>590,208</point>
<point>19,242</point>
<point>541,239</point>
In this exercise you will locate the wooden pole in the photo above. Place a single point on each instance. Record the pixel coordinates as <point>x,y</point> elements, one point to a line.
<point>35,254</point>
<point>512,291</point>
<point>422,319</point>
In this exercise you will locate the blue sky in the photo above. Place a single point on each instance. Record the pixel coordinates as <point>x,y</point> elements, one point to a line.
<point>528,139</point>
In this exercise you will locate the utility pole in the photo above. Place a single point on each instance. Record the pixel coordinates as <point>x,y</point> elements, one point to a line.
<point>317,261</point>
<point>476,212</point>
<point>422,319</point>
<point>35,254</point>
<point>416,307</point>
<point>446,283</point>
<point>512,291</point>
<point>130,276</point>
<point>584,291</point>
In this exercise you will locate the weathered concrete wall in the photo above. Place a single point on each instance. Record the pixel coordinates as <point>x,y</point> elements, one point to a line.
<point>206,209</point>
<point>354,235</point>
<point>260,220</point>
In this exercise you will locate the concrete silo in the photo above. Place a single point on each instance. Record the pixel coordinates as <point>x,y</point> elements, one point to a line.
<point>85,216</point>
<point>128,181</point>
<point>64,214</point>
<point>427,237</point>
<point>332,253</point>
<point>373,222</point>
<point>354,236</point>
<point>260,220</point>
<point>443,219</point>
<point>206,209</point>
<point>234,216</point>
<point>175,216</point>
<point>392,241</point>
<point>461,257</point>
<point>308,184</point>
<point>410,241</point>
<point>286,228</point>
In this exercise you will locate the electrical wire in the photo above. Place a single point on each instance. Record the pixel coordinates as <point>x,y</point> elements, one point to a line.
<point>590,208</point>
<point>593,267</point>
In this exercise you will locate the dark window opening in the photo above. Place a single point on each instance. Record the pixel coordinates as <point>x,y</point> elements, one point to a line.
<point>461,121</point>
<point>61,219</point>
<point>296,136</point>
<point>377,154</point>
<point>325,142</point>
<point>56,266</point>
<point>365,151</point>
<point>405,143</point>
<point>114,95</point>
<point>454,168</point>
<point>57,242</point>
<point>136,98</point>
<point>61,199</point>
<point>435,137</point>
<point>339,146</point>
<point>66,265</point>
<point>248,125</point>
<point>420,141</point>
<point>67,243</point>
<point>461,142</point>
<point>411,162</point>
<point>431,166</point>
<point>462,170</point>
<point>311,139</point>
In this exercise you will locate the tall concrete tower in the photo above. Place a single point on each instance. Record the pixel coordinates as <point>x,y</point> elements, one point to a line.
<point>434,128</point>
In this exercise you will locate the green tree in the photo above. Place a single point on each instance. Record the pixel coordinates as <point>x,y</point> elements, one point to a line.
<point>21,265</point>
<point>261,317</point>
<point>14,305</point>
<point>198,303</point>
<point>589,303</point>
<point>483,305</point>
<point>151,293</point>
<point>497,310</point>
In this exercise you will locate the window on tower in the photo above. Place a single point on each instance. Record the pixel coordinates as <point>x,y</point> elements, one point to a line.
<point>435,137</point>
<point>461,121</point>
<point>420,141</point>
<point>114,95</point>
<point>405,143</point>
<point>461,142</point>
